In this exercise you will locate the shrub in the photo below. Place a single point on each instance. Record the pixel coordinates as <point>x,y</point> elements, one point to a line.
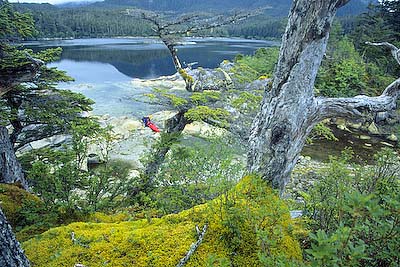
<point>354,214</point>
<point>195,174</point>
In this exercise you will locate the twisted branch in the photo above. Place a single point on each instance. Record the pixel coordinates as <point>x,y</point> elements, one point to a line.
<point>359,105</point>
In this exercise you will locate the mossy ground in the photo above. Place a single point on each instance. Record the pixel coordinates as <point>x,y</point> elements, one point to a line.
<point>232,223</point>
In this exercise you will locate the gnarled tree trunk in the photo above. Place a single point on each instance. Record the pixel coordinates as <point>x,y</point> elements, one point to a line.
<point>290,110</point>
<point>11,253</point>
<point>10,168</point>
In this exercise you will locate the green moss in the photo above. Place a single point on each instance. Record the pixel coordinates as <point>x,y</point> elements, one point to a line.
<point>203,113</point>
<point>164,241</point>
<point>247,101</point>
<point>186,76</point>
<point>204,97</point>
<point>13,202</point>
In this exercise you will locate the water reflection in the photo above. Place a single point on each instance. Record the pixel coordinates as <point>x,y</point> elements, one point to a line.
<point>103,68</point>
<point>146,57</point>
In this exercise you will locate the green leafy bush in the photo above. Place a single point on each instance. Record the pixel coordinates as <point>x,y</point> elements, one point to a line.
<point>194,174</point>
<point>353,213</point>
<point>251,68</point>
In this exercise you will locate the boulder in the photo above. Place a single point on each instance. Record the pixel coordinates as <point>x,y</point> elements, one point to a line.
<point>160,118</point>
<point>131,125</point>
<point>124,126</point>
<point>51,141</point>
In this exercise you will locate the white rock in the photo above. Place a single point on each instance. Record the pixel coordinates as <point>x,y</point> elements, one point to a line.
<point>364,137</point>
<point>133,174</point>
<point>160,118</point>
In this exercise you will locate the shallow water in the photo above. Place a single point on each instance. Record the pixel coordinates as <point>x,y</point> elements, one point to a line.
<point>364,150</point>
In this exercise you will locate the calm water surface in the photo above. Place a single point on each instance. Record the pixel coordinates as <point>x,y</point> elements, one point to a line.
<point>103,68</point>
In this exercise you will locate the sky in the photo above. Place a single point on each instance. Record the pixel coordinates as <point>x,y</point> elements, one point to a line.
<point>48,1</point>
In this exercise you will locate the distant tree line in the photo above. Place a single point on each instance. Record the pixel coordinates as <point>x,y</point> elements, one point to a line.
<point>110,21</point>
<point>51,21</point>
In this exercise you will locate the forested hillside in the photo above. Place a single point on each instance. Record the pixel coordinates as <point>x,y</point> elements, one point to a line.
<point>104,19</point>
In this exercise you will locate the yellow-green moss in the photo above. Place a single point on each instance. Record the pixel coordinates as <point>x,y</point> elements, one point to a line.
<point>186,76</point>
<point>205,96</point>
<point>100,217</point>
<point>164,241</point>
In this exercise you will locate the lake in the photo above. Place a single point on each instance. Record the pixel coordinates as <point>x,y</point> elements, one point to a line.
<point>103,68</point>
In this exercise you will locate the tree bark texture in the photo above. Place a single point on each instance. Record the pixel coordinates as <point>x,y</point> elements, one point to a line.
<point>10,168</point>
<point>290,110</point>
<point>11,253</point>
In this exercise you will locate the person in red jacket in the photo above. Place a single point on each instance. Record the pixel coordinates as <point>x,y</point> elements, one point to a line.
<point>147,122</point>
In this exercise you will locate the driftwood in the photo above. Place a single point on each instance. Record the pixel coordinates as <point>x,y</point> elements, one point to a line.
<point>194,246</point>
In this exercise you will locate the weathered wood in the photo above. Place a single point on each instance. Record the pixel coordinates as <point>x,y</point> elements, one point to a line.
<point>358,105</point>
<point>10,168</point>
<point>11,253</point>
<point>287,112</point>
<point>194,246</point>
<point>290,110</point>
<point>393,49</point>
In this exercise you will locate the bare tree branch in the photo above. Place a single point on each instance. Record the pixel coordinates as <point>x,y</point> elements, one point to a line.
<point>393,49</point>
<point>359,105</point>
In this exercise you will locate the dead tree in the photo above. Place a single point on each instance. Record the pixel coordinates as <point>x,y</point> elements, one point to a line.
<point>290,110</point>
<point>171,31</point>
